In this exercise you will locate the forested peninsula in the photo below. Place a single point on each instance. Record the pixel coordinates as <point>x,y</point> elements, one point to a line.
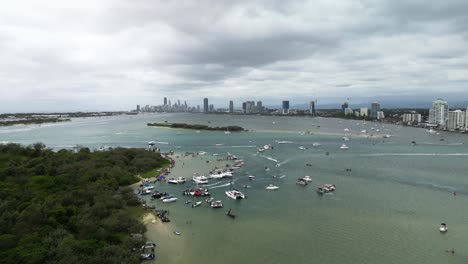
<point>67,207</point>
<point>198,127</point>
<point>30,121</point>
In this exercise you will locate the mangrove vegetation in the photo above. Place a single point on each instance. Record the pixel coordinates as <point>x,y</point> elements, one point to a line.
<point>198,127</point>
<point>71,207</point>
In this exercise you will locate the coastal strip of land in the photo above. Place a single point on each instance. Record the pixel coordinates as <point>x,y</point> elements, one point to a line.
<point>198,127</point>
<point>30,121</point>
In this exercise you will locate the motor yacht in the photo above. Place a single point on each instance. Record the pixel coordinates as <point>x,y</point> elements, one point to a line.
<point>200,179</point>
<point>216,204</point>
<point>169,199</point>
<point>302,148</point>
<point>235,194</point>
<point>272,187</point>
<point>306,178</point>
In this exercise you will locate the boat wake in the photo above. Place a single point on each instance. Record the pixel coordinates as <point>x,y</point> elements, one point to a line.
<point>242,146</point>
<point>220,186</point>
<point>269,158</point>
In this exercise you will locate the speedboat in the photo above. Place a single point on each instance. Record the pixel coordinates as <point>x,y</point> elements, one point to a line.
<point>260,149</point>
<point>251,177</point>
<point>201,153</point>
<point>272,187</point>
<point>209,200</point>
<point>343,146</point>
<point>316,144</point>
<point>387,136</point>
<point>173,181</point>
<point>300,181</point>
<point>169,199</point>
<point>227,132</point>
<point>306,178</point>
<point>302,148</point>
<point>235,194</point>
<point>216,204</point>
<point>196,204</point>
<point>268,146</point>
<point>443,228</point>
<point>148,256</point>
<point>145,191</point>
<point>346,138</point>
<point>346,130</point>
<point>200,179</point>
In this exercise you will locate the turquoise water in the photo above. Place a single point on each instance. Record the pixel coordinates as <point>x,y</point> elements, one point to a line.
<point>387,209</point>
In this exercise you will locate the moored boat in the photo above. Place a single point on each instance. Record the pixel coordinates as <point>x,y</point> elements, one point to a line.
<point>272,187</point>
<point>197,204</point>
<point>443,228</point>
<point>235,194</point>
<point>343,146</point>
<point>306,178</point>
<point>216,204</point>
<point>169,199</point>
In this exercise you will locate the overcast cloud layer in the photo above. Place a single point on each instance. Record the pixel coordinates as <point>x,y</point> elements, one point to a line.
<point>111,55</point>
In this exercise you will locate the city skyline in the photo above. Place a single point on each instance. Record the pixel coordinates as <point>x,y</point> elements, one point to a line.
<point>112,55</point>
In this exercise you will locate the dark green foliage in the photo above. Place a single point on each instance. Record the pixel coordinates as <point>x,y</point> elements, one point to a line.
<point>65,207</point>
<point>197,127</point>
<point>32,121</point>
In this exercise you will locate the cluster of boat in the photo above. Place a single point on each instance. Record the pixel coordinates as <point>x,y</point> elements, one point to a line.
<point>326,188</point>
<point>197,192</point>
<point>162,214</point>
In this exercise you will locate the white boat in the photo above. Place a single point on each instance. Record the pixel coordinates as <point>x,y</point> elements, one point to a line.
<point>196,204</point>
<point>216,204</point>
<point>272,187</point>
<point>364,131</point>
<point>306,178</point>
<point>283,142</point>
<point>316,144</point>
<point>344,146</point>
<point>201,153</point>
<point>346,130</point>
<point>169,199</point>
<point>260,149</point>
<point>173,181</point>
<point>346,138</point>
<point>235,194</point>
<point>268,147</point>
<point>145,191</point>
<point>200,179</point>
<point>227,132</point>
<point>209,200</point>
<point>251,177</point>
<point>219,144</point>
<point>300,181</point>
<point>176,181</point>
<point>443,228</point>
<point>387,136</point>
<point>302,148</point>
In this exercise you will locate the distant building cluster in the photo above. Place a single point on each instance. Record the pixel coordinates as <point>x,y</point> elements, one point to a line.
<point>363,112</point>
<point>167,106</point>
<point>440,116</point>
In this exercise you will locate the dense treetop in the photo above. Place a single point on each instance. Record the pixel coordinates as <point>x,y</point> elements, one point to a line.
<point>66,207</point>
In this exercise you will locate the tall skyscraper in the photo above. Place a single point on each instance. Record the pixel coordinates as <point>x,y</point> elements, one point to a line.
<point>344,106</point>
<point>231,106</point>
<point>165,100</point>
<point>438,114</point>
<point>285,107</point>
<point>138,108</point>
<point>456,120</point>
<point>375,107</point>
<point>466,119</point>
<point>244,107</point>
<point>312,108</point>
<point>205,105</point>
<point>259,104</point>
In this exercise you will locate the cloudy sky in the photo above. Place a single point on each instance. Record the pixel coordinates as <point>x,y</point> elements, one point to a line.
<point>58,55</point>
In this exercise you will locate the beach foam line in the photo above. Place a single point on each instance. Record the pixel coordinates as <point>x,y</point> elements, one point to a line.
<point>413,154</point>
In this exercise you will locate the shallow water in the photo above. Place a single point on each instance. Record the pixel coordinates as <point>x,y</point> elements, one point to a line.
<point>387,209</point>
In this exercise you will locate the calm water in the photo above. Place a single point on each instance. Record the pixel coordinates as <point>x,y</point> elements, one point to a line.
<point>386,210</point>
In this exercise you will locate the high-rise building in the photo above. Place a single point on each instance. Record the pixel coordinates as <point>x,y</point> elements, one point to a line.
<point>138,108</point>
<point>285,107</point>
<point>456,120</point>
<point>312,108</point>
<point>364,111</point>
<point>344,106</point>
<point>438,114</point>
<point>411,118</point>
<point>165,100</point>
<point>259,104</point>
<point>380,115</point>
<point>375,107</point>
<point>231,106</point>
<point>211,108</point>
<point>205,105</point>
<point>466,119</point>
